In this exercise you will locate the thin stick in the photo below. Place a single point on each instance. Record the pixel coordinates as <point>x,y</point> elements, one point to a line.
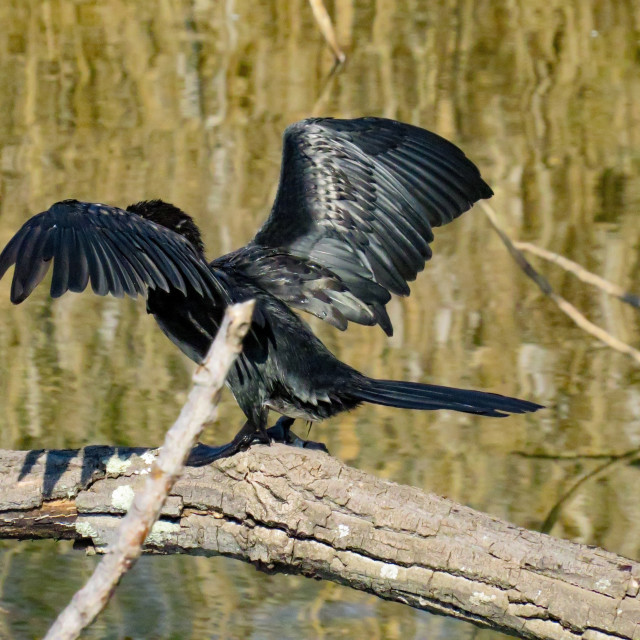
<point>580,272</point>
<point>208,381</point>
<point>563,305</point>
<point>326,28</point>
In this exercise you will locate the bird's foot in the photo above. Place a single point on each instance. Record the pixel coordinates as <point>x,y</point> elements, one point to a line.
<point>281,432</point>
<point>203,454</point>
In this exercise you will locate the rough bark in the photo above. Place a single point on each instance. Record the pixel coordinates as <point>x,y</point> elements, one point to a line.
<point>299,511</point>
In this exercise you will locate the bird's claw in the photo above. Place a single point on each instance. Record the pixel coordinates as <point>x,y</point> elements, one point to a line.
<point>316,446</point>
<point>281,432</point>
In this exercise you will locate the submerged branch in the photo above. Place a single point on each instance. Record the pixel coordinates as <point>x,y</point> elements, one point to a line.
<point>323,20</point>
<point>581,273</point>
<point>599,472</point>
<point>564,305</point>
<point>299,511</point>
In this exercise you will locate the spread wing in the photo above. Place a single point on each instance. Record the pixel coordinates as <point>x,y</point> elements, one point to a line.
<point>120,252</point>
<point>353,216</point>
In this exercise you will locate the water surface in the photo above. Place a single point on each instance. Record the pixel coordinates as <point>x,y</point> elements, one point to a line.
<point>186,101</point>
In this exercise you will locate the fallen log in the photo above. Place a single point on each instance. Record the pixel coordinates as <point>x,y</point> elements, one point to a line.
<point>298,511</point>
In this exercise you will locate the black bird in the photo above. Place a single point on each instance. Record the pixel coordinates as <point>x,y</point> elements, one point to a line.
<point>351,225</point>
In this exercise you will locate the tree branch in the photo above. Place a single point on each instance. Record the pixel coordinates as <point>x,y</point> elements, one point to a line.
<point>581,273</point>
<point>298,511</point>
<point>564,305</point>
<point>145,503</point>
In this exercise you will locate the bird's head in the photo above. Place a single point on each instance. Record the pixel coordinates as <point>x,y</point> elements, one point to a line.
<point>171,217</point>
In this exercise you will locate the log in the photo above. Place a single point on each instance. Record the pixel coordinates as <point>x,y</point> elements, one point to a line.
<point>304,512</point>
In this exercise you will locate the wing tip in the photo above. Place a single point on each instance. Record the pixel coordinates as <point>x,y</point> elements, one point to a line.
<point>485,191</point>
<point>18,298</point>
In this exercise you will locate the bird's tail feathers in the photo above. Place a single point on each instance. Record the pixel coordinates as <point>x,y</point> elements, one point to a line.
<point>413,395</point>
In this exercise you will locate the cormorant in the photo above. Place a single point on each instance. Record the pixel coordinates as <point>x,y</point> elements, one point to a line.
<point>351,224</point>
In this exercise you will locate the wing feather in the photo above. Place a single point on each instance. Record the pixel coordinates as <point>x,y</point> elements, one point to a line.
<point>148,270</point>
<point>95,263</point>
<point>110,264</point>
<point>122,282</point>
<point>79,266</point>
<point>358,200</point>
<point>60,279</point>
<point>118,251</point>
<point>135,274</point>
<point>169,270</point>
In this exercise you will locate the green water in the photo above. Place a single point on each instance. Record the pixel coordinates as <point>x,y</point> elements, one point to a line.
<point>117,102</point>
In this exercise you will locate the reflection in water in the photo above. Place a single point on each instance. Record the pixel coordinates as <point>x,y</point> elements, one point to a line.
<point>118,102</point>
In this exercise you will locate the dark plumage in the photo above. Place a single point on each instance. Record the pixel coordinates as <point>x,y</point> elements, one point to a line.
<point>351,224</point>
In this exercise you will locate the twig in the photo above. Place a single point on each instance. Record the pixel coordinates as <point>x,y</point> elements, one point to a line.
<point>326,27</point>
<point>580,272</point>
<point>564,305</point>
<point>208,380</point>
